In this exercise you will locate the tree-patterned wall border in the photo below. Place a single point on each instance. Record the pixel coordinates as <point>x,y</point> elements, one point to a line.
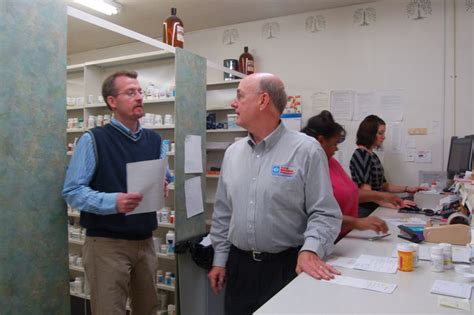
<point>230,36</point>
<point>315,24</point>
<point>365,16</point>
<point>270,30</point>
<point>470,5</point>
<point>418,9</point>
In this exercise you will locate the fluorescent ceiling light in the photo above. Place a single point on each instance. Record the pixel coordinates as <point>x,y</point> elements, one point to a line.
<point>103,6</point>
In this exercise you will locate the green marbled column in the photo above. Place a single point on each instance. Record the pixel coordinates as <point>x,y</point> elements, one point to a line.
<point>190,113</point>
<point>33,234</point>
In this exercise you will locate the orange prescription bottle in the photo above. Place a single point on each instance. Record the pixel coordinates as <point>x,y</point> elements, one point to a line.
<point>405,257</point>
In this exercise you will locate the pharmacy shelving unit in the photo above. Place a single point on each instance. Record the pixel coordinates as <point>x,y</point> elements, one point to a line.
<point>219,98</point>
<point>185,72</point>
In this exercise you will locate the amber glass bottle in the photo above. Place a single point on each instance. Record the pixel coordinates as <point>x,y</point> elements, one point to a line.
<point>173,30</point>
<point>246,63</point>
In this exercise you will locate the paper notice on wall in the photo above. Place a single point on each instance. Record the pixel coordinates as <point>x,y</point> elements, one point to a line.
<point>435,128</point>
<point>410,155</point>
<point>193,196</point>
<point>342,104</point>
<point>390,105</point>
<point>192,154</point>
<point>395,137</point>
<point>319,102</point>
<point>365,104</point>
<point>410,142</point>
<point>423,157</point>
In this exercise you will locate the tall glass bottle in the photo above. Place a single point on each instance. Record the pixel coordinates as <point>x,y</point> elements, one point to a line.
<point>173,30</point>
<point>246,62</point>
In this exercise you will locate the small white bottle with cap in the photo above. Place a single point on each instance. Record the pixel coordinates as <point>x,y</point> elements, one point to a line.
<point>437,259</point>
<point>448,255</point>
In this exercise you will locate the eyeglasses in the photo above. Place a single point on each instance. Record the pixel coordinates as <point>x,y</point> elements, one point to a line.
<point>239,95</point>
<point>131,93</point>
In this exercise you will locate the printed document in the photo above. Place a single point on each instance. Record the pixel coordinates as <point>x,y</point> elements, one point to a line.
<point>377,264</point>
<point>364,284</point>
<point>147,178</point>
<point>450,288</point>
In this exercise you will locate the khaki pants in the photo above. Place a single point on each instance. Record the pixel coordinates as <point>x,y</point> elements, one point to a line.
<point>117,269</point>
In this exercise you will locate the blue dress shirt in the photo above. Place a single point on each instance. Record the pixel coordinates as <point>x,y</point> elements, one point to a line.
<point>76,191</point>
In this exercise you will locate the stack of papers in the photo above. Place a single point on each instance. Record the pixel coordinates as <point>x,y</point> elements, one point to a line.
<point>449,288</point>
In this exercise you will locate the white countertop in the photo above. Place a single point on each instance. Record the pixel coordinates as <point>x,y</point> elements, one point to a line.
<point>305,295</point>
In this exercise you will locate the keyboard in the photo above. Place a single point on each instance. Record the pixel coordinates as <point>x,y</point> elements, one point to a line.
<point>414,209</point>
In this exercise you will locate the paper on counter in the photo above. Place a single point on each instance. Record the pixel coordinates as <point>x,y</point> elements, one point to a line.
<point>462,304</point>
<point>343,262</point>
<point>364,284</point>
<point>147,178</point>
<point>377,264</point>
<point>193,196</point>
<point>450,288</point>
<point>192,154</point>
<point>462,254</point>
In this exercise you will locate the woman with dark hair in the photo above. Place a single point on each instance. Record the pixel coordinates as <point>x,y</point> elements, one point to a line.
<point>367,170</point>
<point>329,134</point>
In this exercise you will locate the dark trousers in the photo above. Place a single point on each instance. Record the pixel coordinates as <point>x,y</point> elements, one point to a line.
<point>251,283</point>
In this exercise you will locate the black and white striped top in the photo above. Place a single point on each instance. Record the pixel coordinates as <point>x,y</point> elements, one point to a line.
<point>366,168</point>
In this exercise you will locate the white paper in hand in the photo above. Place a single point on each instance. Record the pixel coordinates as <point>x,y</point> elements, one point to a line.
<point>147,178</point>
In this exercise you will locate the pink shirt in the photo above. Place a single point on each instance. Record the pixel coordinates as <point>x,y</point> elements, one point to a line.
<point>345,190</point>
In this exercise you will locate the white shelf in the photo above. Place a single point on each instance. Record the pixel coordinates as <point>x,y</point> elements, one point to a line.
<point>76,241</point>
<point>76,268</point>
<point>75,68</point>
<point>166,225</point>
<point>80,295</point>
<point>210,201</point>
<point>165,256</point>
<point>73,107</point>
<point>75,130</point>
<point>117,61</point>
<point>209,109</point>
<point>159,100</point>
<point>99,105</point>
<point>223,83</point>
<point>73,214</point>
<point>159,127</point>
<point>226,130</point>
<point>165,287</point>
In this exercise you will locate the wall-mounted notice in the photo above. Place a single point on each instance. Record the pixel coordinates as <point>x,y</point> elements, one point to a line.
<point>423,157</point>
<point>319,102</point>
<point>395,137</point>
<point>390,105</point>
<point>365,104</point>
<point>342,104</point>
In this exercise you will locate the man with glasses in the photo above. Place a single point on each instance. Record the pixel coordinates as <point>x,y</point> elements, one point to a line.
<point>275,214</point>
<point>118,255</point>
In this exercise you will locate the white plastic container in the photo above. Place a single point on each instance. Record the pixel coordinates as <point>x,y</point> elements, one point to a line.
<point>448,255</point>
<point>437,259</point>
<point>416,249</point>
<point>170,242</point>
